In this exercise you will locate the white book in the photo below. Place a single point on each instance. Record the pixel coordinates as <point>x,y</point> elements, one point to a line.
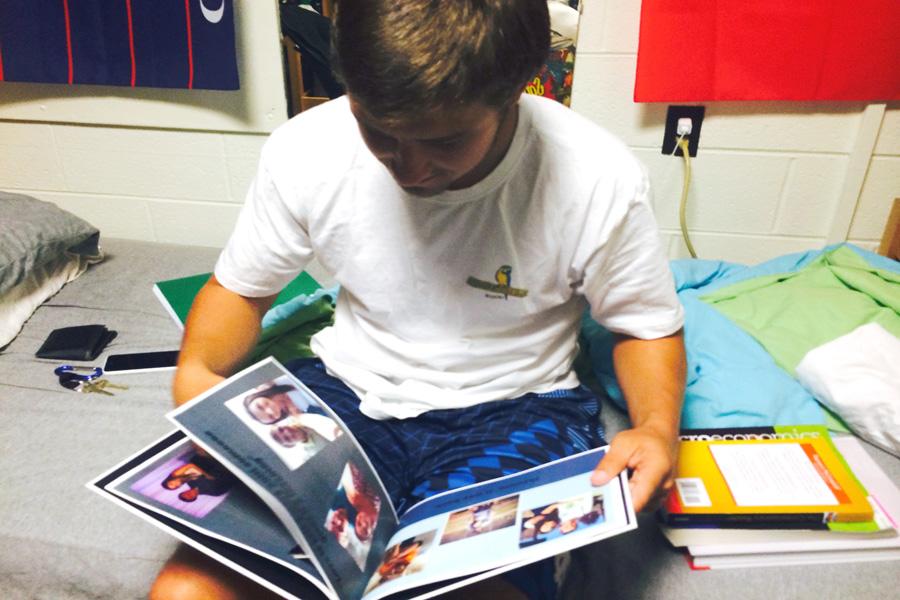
<point>786,559</point>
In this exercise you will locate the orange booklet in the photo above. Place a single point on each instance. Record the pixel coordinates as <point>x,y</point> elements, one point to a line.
<point>784,476</point>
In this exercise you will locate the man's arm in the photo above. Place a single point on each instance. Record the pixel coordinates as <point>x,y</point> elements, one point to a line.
<point>221,329</point>
<point>651,374</point>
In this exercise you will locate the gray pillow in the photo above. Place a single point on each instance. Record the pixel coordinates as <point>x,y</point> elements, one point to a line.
<point>42,247</point>
<point>34,233</point>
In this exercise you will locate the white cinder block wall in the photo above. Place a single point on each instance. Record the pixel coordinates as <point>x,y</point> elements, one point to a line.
<point>182,187</point>
<point>769,177</point>
<point>148,164</point>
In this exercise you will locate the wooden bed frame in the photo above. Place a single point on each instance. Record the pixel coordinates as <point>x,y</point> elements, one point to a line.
<point>890,241</point>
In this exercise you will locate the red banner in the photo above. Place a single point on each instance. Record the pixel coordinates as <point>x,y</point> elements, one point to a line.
<point>703,50</point>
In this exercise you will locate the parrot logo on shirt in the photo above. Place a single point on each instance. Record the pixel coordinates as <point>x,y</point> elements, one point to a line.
<point>503,275</point>
<point>503,285</point>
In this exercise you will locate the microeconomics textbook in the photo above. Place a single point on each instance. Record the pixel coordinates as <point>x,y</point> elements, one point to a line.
<point>763,477</point>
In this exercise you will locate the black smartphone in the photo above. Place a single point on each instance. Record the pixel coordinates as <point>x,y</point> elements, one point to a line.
<point>141,361</point>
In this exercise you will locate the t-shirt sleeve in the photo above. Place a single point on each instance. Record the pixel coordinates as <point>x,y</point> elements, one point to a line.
<point>626,275</point>
<point>270,243</point>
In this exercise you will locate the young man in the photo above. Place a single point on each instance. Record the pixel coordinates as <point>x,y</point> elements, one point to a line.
<point>469,227</point>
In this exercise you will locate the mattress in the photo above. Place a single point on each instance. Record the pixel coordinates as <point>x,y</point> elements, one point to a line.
<point>60,541</point>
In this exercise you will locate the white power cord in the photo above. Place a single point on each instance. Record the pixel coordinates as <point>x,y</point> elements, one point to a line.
<point>684,128</point>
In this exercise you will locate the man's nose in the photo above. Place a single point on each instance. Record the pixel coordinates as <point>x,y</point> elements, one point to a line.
<point>409,164</point>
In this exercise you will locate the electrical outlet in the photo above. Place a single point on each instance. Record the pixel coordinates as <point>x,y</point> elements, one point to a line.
<point>670,137</point>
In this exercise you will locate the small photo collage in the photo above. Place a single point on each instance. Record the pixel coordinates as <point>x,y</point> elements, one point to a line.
<point>536,525</point>
<point>288,421</point>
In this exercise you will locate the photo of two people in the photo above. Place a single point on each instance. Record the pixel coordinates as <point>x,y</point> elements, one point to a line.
<point>286,419</point>
<point>354,512</point>
<point>191,482</point>
<point>560,518</point>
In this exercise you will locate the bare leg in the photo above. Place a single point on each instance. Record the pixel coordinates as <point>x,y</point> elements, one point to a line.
<point>190,575</point>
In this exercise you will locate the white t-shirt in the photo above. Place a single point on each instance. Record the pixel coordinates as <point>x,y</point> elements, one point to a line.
<point>470,296</point>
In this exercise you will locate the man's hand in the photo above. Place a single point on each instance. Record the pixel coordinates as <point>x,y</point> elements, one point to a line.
<point>651,374</point>
<point>651,455</point>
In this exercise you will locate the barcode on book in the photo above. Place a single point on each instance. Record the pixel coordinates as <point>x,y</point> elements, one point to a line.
<point>692,492</point>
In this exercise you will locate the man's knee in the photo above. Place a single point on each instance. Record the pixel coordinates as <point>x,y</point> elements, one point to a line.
<point>179,581</point>
<point>175,582</point>
<point>190,575</point>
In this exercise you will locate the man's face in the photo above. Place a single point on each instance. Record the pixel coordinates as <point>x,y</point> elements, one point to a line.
<point>290,434</point>
<point>548,526</point>
<point>434,152</point>
<point>337,521</point>
<point>364,525</point>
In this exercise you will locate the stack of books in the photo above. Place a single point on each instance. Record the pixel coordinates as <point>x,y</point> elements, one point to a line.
<point>779,495</point>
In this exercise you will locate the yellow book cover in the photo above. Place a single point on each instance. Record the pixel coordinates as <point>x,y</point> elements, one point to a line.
<point>789,476</point>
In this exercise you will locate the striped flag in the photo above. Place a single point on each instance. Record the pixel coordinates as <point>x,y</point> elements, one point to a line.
<point>164,43</point>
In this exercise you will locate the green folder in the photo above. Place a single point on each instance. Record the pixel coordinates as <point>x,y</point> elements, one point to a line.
<point>177,295</point>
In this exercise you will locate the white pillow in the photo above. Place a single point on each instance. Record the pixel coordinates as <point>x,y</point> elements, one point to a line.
<point>858,377</point>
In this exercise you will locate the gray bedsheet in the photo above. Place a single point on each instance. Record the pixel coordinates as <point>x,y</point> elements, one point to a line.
<point>60,541</point>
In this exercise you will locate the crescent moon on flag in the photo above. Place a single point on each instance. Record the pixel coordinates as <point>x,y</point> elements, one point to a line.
<point>213,16</point>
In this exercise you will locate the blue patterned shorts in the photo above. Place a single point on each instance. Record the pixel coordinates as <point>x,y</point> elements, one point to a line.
<point>445,449</point>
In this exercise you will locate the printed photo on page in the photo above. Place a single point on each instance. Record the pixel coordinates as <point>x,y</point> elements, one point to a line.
<point>181,483</point>
<point>485,529</point>
<point>289,422</point>
<point>285,443</point>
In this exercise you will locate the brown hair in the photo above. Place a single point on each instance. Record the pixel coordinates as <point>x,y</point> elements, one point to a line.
<point>398,57</point>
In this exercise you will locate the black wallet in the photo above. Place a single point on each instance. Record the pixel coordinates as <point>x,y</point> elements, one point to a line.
<point>84,342</point>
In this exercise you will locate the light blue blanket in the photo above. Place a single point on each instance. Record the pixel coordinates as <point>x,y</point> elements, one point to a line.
<point>731,381</point>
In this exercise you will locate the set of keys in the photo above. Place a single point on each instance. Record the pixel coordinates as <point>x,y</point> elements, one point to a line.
<point>98,386</point>
<point>87,383</point>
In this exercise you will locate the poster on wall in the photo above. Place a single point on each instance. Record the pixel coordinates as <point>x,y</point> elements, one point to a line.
<point>138,43</point>
<point>708,50</point>
<point>554,80</point>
